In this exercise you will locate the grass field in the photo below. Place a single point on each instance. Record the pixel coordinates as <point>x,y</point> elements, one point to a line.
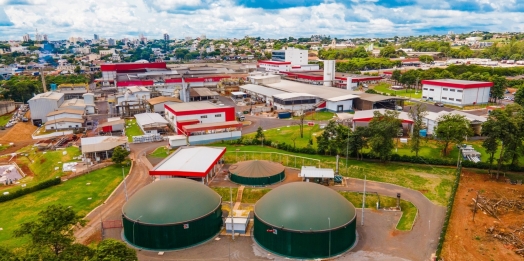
<point>161,152</point>
<point>224,193</point>
<point>43,164</point>
<point>133,130</point>
<point>409,211</point>
<point>318,116</point>
<point>74,193</point>
<point>252,195</point>
<point>4,119</point>
<point>409,93</point>
<point>433,181</point>
<point>287,134</point>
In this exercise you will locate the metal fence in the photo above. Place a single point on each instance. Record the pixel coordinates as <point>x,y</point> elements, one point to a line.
<point>285,159</point>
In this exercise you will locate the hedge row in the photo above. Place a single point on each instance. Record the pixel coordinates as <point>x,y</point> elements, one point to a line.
<point>25,191</point>
<point>394,157</point>
<point>448,213</point>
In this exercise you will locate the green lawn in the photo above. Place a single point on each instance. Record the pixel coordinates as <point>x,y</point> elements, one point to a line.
<point>224,193</point>
<point>409,211</point>
<point>252,195</point>
<point>424,178</point>
<point>133,130</point>
<point>409,93</point>
<point>4,119</point>
<point>43,164</point>
<point>74,193</point>
<point>318,116</point>
<point>287,134</point>
<point>161,152</point>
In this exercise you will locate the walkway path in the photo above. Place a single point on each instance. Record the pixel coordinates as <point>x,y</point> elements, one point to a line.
<point>239,198</point>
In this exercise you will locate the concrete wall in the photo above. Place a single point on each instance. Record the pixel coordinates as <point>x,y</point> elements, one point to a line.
<point>7,107</point>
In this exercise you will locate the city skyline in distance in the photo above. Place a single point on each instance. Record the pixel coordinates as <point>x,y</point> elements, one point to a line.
<point>267,19</point>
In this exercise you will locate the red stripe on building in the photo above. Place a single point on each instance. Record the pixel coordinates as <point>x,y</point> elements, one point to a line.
<point>274,62</point>
<point>134,83</point>
<point>131,66</point>
<point>187,173</point>
<point>458,85</point>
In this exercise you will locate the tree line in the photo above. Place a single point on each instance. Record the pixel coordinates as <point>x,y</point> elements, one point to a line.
<point>52,238</point>
<point>21,88</point>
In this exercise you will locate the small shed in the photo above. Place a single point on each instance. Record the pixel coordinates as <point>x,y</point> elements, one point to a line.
<point>316,174</point>
<point>239,224</point>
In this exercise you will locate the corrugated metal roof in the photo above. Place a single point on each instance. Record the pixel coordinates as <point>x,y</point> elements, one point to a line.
<point>343,98</point>
<point>293,95</point>
<point>111,123</point>
<point>49,95</point>
<point>192,106</point>
<point>65,120</point>
<point>314,172</point>
<point>256,168</point>
<point>161,99</point>
<point>266,91</point>
<point>101,143</point>
<point>190,159</point>
<point>70,111</point>
<point>148,119</point>
<point>195,92</point>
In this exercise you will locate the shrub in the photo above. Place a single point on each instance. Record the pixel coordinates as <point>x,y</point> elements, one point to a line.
<point>25,191</point>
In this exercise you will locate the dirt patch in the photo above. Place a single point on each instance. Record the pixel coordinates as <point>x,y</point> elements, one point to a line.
<point>20,132</point>
<point>469,240</point>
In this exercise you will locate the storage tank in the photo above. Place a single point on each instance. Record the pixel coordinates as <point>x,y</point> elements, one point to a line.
<point>172,214</point>
<point>305,220</point>
<point>257,172</point>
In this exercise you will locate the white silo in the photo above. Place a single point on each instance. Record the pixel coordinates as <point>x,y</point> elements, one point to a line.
<point>329,72</point>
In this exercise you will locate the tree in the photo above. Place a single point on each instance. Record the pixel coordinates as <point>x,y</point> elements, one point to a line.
<point>491,145</point>
<point>326,139</point>
<point>452,128</point>
<point>498,88</point>
<point>388,52</point>
<point>53,230</point>
<point>417,113</point>
<point>110,250</point>
<point>519,96</point>
<point>7,255</point>
<point>260,134</point>
<point>395,75</point>
<point>382,129</point>
<point>119,155</point>
<point>358,141</point>
<point>301,119</point>
<point>426,59</point>
<point>77,69</point>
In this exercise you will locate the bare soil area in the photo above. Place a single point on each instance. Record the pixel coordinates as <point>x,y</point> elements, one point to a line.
<point>20,132</point>
<point>481,239</point>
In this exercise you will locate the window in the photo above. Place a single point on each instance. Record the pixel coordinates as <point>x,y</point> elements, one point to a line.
<point>459,90</point>
<point>459,100</point>
<point>445,89</point>
<point>425,89</point>
<point>451,99</point>
<point>203,117</point>
<point>444,98</point>
<point>431,90</point>
<point>451,90</point>
<point>424,97</point>
<point>218,115</point>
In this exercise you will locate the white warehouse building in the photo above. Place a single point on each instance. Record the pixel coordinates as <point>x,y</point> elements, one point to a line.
<point>456,92</point>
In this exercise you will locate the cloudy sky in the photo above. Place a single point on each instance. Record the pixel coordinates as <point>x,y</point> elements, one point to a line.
<point>60,19</point>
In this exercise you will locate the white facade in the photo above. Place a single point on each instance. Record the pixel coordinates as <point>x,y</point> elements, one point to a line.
<point>294,101</point>
<point>62,125</point>
<point>339,106</point>
<point>295,56</point>
<point>455,92</point>
<point>329,72</point>
<point>64,115</point>
<point>44,103</point>
<point>275,66</point>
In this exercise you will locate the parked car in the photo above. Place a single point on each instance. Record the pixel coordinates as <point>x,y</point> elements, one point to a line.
<point>439,104</point>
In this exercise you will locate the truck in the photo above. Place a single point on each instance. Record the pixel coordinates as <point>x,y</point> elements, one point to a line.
<point>240,116</point>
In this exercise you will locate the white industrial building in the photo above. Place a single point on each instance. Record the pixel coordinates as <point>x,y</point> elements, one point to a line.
<point>275,66</point>
<point>133,94</point>
<point>456,92</point>
<point>261,93</point>
<point>431,120</point>
<point>292,55</point>
<point>295,101</point>
<point>101,147</point>
<point>42,104</point>
<point>198,163</point>
<point>151,123</point>
<point>157,104</point>
<point>65,119</point>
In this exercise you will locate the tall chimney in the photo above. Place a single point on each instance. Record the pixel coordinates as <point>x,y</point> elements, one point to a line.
<point>329,72</point>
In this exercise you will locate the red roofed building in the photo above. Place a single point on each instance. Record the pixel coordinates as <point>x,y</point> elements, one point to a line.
<point>456,92</point>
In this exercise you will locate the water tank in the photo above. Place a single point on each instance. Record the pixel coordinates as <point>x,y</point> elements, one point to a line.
<point>423,133</point>
<point>53,86</point>
<point>284,115</point>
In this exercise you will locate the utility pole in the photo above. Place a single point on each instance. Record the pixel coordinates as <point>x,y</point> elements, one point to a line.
<point>125,185</point>
<point>329,251</point>
<point>231,213</point>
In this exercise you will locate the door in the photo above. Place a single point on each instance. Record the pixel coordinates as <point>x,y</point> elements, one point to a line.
<point>340,108</point>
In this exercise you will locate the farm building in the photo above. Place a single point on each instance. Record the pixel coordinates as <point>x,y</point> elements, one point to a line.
<point>198,163</point>
<point>305,220</point>
<point>157,104</point>
<point>151,123</point>
<point>101,147</point>
<point>112,125</point>
<point>172,214</point>
<point>456,92</point>
<point>257,172</point>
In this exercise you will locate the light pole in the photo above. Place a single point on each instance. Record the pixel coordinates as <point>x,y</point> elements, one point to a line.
<point>138,219</point>
<point>125,185</point>
<point>363,201</point>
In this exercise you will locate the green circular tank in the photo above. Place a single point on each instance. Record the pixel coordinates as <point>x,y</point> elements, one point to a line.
<point>257,172</point>
<point>172,214</point>
<point>305,220</point>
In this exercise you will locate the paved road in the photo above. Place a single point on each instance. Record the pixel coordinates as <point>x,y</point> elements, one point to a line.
<point>424,236</point>
<point>112,208</point>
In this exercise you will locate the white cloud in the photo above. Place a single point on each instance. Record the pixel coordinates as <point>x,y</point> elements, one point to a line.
<point>224,18</point>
